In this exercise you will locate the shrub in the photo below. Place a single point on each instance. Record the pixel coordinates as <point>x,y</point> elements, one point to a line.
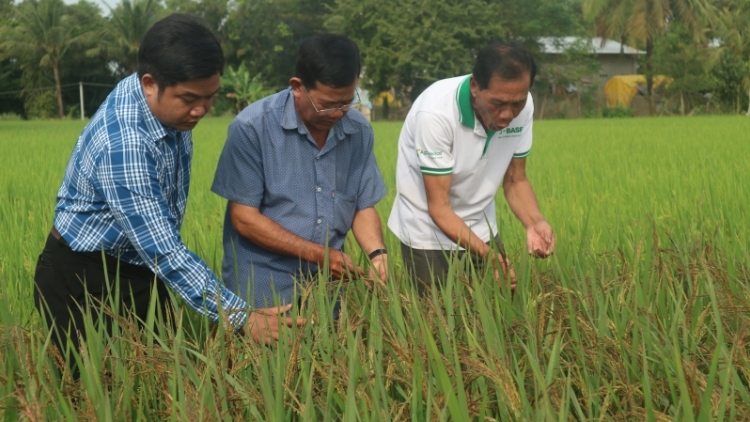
<point>618,111</point>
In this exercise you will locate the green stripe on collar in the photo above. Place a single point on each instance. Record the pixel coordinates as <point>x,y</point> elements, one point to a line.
<point>463,99</point>
<point>466,112</point>
<point>490,134</point>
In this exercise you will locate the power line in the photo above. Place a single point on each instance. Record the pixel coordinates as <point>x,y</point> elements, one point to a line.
<point>97,84</point>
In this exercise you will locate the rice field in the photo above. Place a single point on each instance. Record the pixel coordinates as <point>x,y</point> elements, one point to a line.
<point>642,313</point>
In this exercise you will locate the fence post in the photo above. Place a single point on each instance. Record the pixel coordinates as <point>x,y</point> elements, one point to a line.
<point>80,93</point>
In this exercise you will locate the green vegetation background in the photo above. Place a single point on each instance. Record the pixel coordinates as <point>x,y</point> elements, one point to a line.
<point>642,313</point>
<point>703,45</point>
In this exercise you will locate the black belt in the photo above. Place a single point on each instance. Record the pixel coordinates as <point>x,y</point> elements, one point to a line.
<point>56,234</point>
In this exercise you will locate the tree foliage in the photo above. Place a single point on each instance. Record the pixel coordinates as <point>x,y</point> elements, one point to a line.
<point>242,88</point>
<point>688,63</point>
<point>40,37</point>
<point>406,45</point>
<point>264,35</point>
<point>733,23</point>
<point>122,35</point>
<point>573,70</point>
<point>640,23</point>
<point>213,12</point>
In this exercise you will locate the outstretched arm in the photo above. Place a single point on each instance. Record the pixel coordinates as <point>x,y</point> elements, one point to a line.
<point>440,210</point>
<point>540,238</point>
<point>368,231</point>
<point>266,233</point>
<point>439,207</point>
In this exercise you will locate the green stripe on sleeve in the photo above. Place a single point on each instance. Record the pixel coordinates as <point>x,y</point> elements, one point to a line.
<point>436,172</point>
<point>522,154</point>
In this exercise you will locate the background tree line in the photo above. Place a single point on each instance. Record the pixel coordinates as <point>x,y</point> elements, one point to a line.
<point>406,45</point>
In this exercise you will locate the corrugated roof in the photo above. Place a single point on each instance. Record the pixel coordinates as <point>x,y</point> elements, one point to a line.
<point>556,45</point>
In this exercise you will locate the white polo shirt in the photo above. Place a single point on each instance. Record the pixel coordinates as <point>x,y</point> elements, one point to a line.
<point>441,136</point>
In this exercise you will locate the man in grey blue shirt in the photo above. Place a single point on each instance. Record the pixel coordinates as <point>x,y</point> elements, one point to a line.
<point>298,171</point>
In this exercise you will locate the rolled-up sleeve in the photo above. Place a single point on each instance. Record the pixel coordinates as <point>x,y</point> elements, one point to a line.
<point>128,178</point>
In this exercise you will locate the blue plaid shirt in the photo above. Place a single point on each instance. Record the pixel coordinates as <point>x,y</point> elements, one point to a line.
<point>271,162</point>
<point>125,191</point>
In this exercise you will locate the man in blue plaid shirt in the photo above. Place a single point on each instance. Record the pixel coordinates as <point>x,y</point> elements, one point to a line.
<point>125,191</point>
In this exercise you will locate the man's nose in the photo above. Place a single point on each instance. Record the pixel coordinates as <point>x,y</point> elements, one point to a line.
<point>505,114</point>
<point>338,112</point>
<point>203,108</point>
<point>198,111</point>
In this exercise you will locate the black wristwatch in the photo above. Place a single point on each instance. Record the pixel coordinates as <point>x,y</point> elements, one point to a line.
<point>377,252</point>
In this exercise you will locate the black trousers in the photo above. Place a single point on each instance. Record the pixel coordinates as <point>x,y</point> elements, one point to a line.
<point>64,277</point>
<point>430,267</point>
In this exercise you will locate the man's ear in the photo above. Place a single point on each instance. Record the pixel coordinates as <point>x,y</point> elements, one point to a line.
<point>150,87</point>
<point>296,84</point>
<point>473,86</point>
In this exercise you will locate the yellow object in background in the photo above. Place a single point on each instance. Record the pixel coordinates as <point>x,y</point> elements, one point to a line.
<point>621,89</point>
<point>392,101</point>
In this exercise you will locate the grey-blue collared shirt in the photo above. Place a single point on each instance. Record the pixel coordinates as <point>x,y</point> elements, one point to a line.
<point>271,162</point>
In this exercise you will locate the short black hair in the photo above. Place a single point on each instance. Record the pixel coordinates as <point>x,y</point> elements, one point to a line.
<point>179,48</point>
<point>508,61</point>
<point>330,59</point>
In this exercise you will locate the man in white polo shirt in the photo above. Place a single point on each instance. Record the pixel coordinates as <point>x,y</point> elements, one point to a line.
<point>462,140</point>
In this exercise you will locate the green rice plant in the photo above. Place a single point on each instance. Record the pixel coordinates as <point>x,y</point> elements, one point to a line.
<point>641,314</point>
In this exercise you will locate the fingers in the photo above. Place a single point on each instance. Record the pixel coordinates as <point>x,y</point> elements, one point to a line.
<point>540,240</point>
<point>548,236</point>
<point>380,263</point>
<point>259,328</point>
<point>263,324</point>
<point>343,267</point>
<point>540,248</point>
<point>348,273</point>
<point>299,322</point>
<point>383,273</point>
<point>274,311</point>
<point>507,269</point>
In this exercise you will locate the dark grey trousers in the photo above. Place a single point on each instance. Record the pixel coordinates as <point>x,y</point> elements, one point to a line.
<point>430,267</point>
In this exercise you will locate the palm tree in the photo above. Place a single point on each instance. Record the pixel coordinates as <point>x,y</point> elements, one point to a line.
<point>734,28</point>
<point>640,22</point>
<point>128,24</point>
<point>40,35</point>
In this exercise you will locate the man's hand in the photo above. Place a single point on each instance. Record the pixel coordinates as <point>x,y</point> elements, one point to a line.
<point>341,266</point>
<point>263,324</point>
<point>501,263</point>
<point>540,239</point>
<point>379,270</point>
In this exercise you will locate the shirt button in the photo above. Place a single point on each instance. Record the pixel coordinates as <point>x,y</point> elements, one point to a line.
<point>320,220</point>
<point>319,189</point>
<point>317,158</point>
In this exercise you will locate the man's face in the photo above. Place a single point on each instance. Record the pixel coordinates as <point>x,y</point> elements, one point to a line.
<point>501,102</point>
<point>182,105</point>
<point>310,102</point>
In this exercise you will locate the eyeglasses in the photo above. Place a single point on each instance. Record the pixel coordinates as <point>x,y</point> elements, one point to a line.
<point>343,108</point>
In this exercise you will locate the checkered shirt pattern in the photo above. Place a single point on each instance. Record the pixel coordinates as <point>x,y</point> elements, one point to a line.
<point>125,191</point>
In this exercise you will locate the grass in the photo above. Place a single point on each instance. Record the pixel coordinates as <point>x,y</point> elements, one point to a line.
<point>642,313</point>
